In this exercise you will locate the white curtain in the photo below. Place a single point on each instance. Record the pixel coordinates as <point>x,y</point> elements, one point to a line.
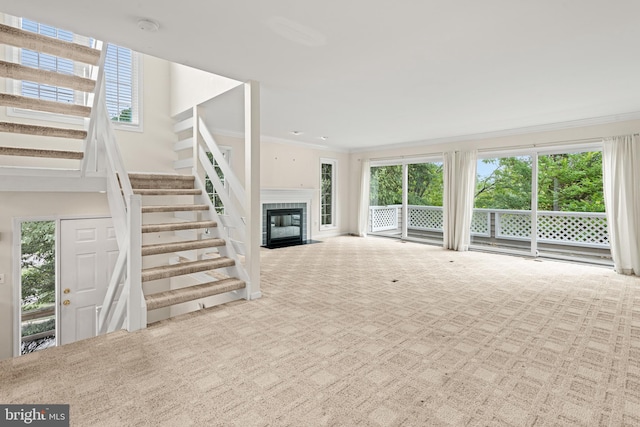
<point>363,208</point>
<point>459,190</point>
<point>621,176</point>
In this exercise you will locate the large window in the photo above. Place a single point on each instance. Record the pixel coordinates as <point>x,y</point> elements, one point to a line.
<point>121,69</point>
<point>327,193</point>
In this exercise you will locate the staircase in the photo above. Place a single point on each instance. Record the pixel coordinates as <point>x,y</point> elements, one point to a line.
<point>173,257</point>
<point>64,146</point>
<point>190,241</point>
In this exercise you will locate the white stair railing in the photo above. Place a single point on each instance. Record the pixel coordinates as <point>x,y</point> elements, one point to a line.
<point>232,224</point>
<point>232,195</point>
<point>125,284</point>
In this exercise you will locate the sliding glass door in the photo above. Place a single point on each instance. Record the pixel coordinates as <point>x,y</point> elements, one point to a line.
<point>544,203</point>
<point>571,221</point>
<point>425,187</point>
<point>502,204</point>
<point>385,200</point>
<point>406,199</point>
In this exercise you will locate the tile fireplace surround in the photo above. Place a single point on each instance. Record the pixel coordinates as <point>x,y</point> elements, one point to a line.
<point>282,198</point>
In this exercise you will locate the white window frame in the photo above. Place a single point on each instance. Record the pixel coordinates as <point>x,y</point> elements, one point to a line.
<point>226,153</point>
<point>334,181</point>
<point>14,87</point>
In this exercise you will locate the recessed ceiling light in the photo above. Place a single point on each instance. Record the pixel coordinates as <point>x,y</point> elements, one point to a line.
<point>296,132</point>
<point>148,25</point>
<point>324,138</point>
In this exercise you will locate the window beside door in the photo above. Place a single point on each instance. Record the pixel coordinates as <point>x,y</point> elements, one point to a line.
<point>37,286</point>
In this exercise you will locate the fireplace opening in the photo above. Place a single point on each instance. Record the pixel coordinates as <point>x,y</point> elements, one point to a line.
<point>284,227</point>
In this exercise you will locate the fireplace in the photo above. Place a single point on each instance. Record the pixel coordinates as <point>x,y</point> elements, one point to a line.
<point>286,199</point>
<point>284,227</point>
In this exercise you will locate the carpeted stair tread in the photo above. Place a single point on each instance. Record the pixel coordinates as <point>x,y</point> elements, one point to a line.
<point>33,152</point>
<point>161,181</point>
<point>163,248</point>
<point>183,268</point>
<point>42,130</point>
<point>176,226</point>
<point>15,71</point>
<point>29,40</point>
<point>167,191</point>
<point>174,208</point>
<point>191,293</point>
<point>17,101</point>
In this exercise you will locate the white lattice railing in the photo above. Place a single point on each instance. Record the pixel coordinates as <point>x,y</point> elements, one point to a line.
<point>383,218</point>
<point>427,218</point>
<point>587,229</point>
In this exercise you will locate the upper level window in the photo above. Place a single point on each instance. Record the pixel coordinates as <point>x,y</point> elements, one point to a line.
<point>327,193</point>
<point>121,75</point>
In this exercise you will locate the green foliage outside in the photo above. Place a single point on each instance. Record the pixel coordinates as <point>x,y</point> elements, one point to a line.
<point>33,328</point>
<point>125,116</point>
<point>215,198</point>
<point>566,182</point>
<point>326,193</point>
<point>38,264</point>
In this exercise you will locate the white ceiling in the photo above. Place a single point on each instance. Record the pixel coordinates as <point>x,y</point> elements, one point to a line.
<point>377,72</point>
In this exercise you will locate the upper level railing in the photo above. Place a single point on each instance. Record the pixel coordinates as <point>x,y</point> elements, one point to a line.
<point>588,229</point>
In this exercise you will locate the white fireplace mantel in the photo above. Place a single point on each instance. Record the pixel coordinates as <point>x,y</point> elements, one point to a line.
<point>289,195</point>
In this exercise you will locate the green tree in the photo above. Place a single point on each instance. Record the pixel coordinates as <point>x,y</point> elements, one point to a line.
<point>125,116</point>
<point>426,184</point>
<point>507,187</point>
<point>386,185</point>
<point>570,182</point>
<point>38,263</point>
<point>566,182</point>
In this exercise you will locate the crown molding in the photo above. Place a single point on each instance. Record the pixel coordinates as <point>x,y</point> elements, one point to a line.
<point>507,132</point>
<point>274,140</point>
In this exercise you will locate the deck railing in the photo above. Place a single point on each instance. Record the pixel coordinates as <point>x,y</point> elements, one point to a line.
<point>587,229</point>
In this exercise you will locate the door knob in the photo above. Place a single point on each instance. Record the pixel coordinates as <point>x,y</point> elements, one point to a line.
<point>67,290</point>
<point>66,302</point>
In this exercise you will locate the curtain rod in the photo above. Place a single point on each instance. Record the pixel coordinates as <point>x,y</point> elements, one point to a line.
<point>545,144</point>
<point>513,147</point>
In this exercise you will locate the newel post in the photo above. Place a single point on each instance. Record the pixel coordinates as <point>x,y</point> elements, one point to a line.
<point>252,186</point>
<point>136,307</point>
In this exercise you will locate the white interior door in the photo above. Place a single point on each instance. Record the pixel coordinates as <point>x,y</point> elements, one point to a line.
<point>88,252</point>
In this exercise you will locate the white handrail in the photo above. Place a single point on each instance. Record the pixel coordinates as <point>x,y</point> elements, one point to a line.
<point>229,176</point>
<point>125,211</point>
<point>89,148</point>
<point>232,197</point>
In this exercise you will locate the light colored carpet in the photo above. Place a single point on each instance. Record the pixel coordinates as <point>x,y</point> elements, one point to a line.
<point>373,332</point>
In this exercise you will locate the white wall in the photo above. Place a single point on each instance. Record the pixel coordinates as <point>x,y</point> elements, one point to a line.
<point>524,140</point>
<point>152,149</point>
<point>190,86</point>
